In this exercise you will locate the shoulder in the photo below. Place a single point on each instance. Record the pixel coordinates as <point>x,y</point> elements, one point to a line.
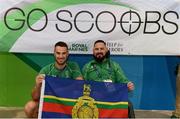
<point>72,64</point>
<point>88,65</point>
<point>46,68</point>
<point>115,65</point>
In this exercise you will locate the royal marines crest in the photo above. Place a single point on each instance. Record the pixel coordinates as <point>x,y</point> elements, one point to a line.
<point>85,106</point>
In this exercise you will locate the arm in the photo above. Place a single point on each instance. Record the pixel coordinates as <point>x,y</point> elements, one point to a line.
<point>122,78</point>
<point>76,71</point>
<point>84,72</point>
<point>87,68</point>
<point>37,89</point>
<point>79,78</point>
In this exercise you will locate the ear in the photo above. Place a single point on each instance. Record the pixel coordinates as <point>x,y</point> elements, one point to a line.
<point>107,49</point>
<point>54,52</point>
<point>93,49</point>
<point>67,53</point>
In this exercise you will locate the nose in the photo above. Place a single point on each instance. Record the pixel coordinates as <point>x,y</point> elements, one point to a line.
<point>60,55</point>
<point>99,50</point>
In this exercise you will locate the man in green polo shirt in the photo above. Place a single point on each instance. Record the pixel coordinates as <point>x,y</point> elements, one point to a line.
<point>103,69</point>
<point>61,68</point>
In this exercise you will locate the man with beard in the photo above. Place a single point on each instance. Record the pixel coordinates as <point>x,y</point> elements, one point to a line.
<point>103,69</point>
<point>61,68</point>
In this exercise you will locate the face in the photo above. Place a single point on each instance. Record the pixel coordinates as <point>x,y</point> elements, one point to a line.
<point>61,55</point>
<point>99,51</point>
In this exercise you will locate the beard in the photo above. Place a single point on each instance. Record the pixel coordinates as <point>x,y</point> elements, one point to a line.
<point>99,58</point>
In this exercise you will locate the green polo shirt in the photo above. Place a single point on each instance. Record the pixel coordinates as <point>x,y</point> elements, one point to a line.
<point>107,71</point>
<point>71,70</point>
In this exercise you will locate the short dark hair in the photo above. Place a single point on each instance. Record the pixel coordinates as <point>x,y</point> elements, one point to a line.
<point>99,41</point>
<point>62,44</point>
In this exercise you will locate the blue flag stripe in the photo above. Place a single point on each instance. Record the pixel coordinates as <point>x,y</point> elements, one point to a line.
<point>73,89</point>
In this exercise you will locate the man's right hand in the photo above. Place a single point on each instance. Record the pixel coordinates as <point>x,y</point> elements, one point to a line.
<point>37,88</point>
<point>39,79</point>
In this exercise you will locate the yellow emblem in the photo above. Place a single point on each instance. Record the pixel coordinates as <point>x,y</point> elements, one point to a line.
<point>85,106</point>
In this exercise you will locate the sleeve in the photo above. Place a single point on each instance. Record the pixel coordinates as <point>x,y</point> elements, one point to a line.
<point>84,72</point>
<point>43,70</point>
<point>120,76</point>
<point>76,70</point>
<point>46,69</point>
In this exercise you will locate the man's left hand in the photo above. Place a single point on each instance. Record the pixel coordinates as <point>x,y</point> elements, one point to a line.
<point>130,86</point>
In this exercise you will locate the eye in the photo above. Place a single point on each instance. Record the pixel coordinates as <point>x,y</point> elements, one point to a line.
<point>58,53</point>
<point>96,48</point>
